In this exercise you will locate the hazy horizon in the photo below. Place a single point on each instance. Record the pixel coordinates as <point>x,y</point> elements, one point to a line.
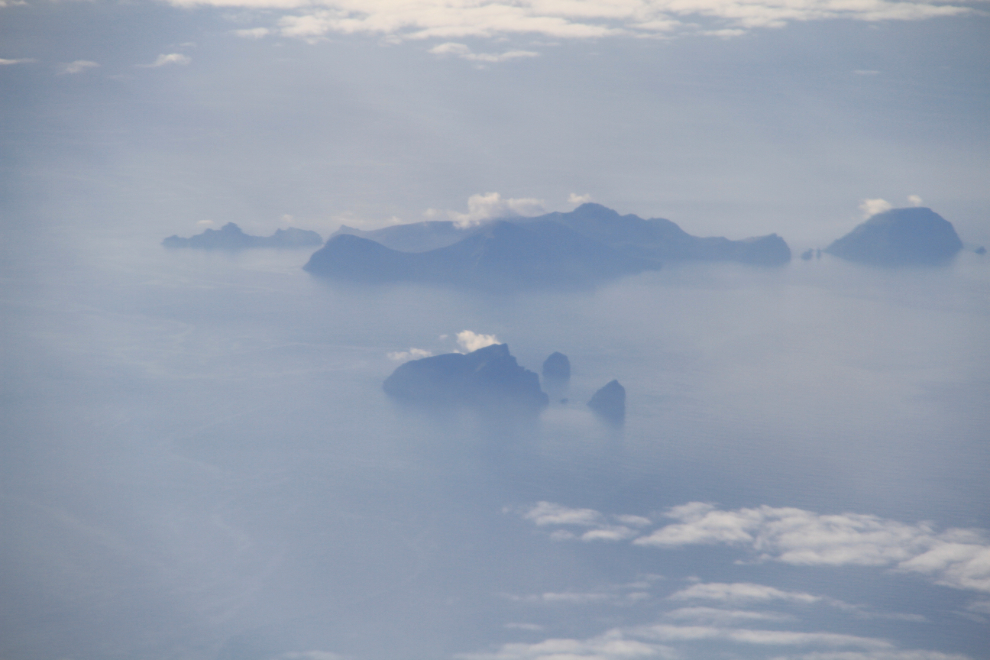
<point>198,460</point>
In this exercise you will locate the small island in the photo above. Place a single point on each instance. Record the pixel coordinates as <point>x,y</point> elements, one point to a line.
<point>486,379</point>
<point>915,236</point>
<point>231,237</point>
<point>609,403</point>
<point>557,367</point>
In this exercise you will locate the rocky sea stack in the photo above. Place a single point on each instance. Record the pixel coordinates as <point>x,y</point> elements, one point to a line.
<point>609,403</point>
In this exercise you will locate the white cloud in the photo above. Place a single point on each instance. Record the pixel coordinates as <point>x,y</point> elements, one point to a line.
<point>871,207</point>
<point>411,354</point>
<point>310,655</point>
<point>21,60</point>
<point>253,33</point>
<point>170,58</point>
<point>582,598</point>
<point>958,558</point>
<point>569,19</point>
<point>491,205</point>
<point>612,645</point>
<point>464,52</point>
<point>471,341</point>
<point>532,627</point>
<point>653,641</point>
<point>891,654</point>
<point>78,66</point>
<point>741,592</point>
<point>914,200</point>
<point>725,617</point>
<point>548,513</point>
<point>577,199</point>
<point>669,633</point>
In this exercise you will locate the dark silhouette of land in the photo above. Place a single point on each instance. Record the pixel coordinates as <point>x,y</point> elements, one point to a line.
<point>586,246</point>
<point>900,237</point>
<point>488,379</point>
<point>609,403</point>
<point>557,367</point>
<point>231,237</point>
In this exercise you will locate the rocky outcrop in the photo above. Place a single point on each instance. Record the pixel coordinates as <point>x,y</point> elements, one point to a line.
<point>231,237</point>
<point>489,379</point>
<point>609,403</point>
<point>557,367</point>
<point>900,237</point>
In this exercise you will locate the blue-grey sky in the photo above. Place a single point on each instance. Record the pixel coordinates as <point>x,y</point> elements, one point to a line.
<point>735,118</point>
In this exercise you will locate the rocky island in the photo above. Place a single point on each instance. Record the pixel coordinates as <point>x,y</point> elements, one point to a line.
<point>231,237</point>
<point>487,379</point>
<point>609,403</point>
<point>585,246</point>
<point>900,237</point>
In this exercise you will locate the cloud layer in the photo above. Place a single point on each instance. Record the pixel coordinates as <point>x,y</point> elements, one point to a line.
<point>567,19</point>
<point>958,558</point>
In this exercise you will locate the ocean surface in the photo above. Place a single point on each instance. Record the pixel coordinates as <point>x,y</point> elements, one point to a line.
<point>198,461</point>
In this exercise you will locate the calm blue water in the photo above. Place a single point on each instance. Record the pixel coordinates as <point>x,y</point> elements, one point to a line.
<point>198,462</point>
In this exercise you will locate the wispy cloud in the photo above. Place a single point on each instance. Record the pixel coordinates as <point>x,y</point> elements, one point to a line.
<point>168,59</point>
<point>664,641</point>
<point>471,341</point>
<point>589,19</point>
<point>958,558</point>
<point>871,207</point>
<point>746,593</point>
<point>78,66</point>
<point>490,206</point>
<point>742,592</point>
<point>464,52</point>
<point>21,60</point>
<point>253,33</point>
<point>714,615</point>
<point>411,354</point>
<point>892,654</point>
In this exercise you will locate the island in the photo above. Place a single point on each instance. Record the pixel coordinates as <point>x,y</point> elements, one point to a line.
<point>583,247</point>
<point>915,236</point>
<point>557,367</point>
<point>486,379</point>
<point>231,237</point>
<point>609,403</point>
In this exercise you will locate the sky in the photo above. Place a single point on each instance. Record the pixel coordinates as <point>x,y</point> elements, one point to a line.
<point>731,118</point>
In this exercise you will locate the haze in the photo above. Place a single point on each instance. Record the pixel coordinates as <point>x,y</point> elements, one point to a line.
<point>198,460</point>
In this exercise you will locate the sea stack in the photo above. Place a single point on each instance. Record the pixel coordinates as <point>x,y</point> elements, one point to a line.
<point>609,403</point>
<point>557,367</point>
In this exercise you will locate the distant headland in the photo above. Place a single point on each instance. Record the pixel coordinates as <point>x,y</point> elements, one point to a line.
<point>231,237</point>
<point>585,246</point>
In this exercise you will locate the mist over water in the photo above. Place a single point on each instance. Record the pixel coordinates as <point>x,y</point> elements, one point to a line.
<point>200,461</point>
